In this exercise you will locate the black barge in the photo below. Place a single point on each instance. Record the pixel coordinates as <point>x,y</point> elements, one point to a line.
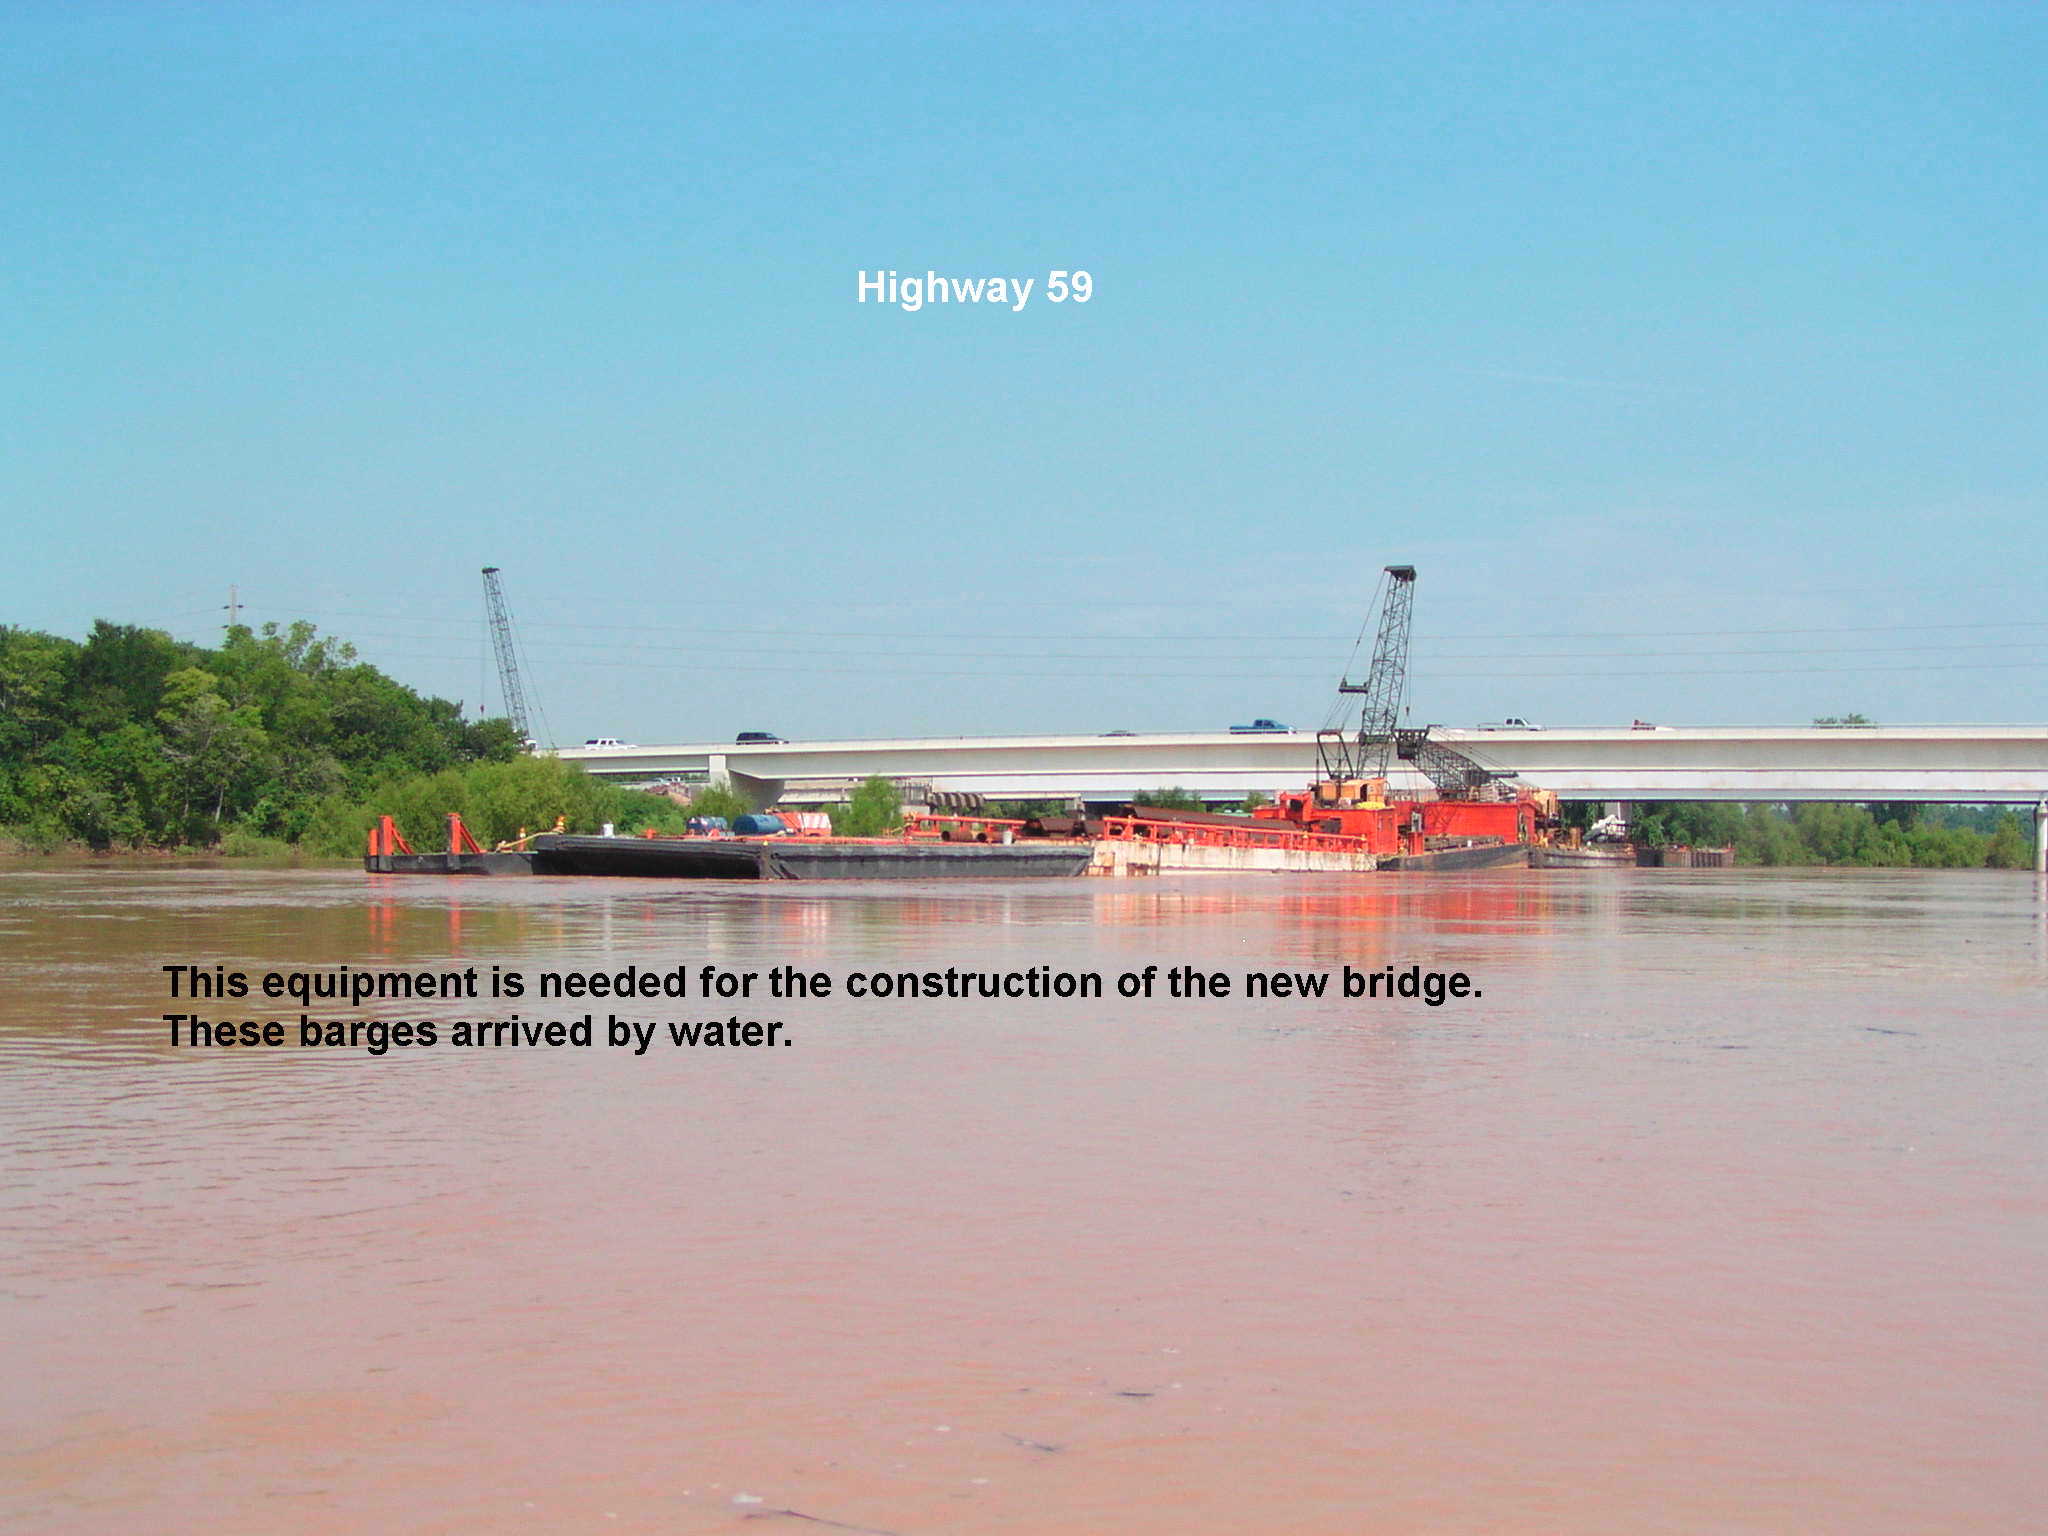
<point>746,858</point>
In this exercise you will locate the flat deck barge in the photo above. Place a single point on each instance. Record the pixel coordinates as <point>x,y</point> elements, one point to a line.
<point>749,858</point>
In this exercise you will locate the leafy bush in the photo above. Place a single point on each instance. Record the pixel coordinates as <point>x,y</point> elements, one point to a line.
<point>238,843</point>
<point>719,798</point>
<point>876,808</point>
<point>1175,799</point>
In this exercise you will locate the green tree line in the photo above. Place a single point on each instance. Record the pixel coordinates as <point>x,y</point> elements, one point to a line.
<point>131,739</point>
<point>1819,832</point>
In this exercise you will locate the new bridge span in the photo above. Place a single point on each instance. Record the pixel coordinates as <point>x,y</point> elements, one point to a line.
<point>1971,764</point>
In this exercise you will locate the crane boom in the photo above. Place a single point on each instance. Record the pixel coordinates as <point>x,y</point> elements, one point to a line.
<point>1341,757</point>
<point>508,661</point>
<point>1380,741</point>
<point>1456,776</point>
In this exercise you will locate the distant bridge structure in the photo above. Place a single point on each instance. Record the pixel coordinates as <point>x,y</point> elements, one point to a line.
<point>1966,764</point>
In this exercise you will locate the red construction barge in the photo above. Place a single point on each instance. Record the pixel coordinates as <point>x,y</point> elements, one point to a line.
<point>1360,810</point>
<point>1330,817</point>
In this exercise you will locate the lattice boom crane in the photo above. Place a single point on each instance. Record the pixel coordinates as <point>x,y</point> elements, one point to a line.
<point>1380,741</point>
<point>508,660</point>
<point>1339,755</point>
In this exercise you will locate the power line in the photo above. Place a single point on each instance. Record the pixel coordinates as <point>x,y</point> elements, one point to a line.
<point>1301,663</point>
<point>1286,674</point>
<point>1120,640</point>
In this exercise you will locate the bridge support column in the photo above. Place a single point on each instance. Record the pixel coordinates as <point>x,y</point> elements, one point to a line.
<point>757,792</point>
<point>2041,838</point>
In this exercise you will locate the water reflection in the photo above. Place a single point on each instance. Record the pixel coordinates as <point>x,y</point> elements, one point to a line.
<point>1716,1161</point>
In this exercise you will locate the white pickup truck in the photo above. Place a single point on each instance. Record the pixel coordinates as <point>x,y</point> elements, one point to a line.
<point>1512,723</point>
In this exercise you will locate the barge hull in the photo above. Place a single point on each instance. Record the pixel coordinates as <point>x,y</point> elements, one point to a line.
<point>449,864</point>
<point>742,858</point>
<point>777,858</point>
<point>1582,858</point>
<point>1481,856</point>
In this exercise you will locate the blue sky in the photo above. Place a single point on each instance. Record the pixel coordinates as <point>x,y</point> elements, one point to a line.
<point>1697,356</point>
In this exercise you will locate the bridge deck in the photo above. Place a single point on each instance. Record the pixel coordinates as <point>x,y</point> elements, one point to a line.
<point>1967,763</point>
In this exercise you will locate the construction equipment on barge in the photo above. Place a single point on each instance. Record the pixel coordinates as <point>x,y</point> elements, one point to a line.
<point>1346,821</point>
<point>1474,808</point>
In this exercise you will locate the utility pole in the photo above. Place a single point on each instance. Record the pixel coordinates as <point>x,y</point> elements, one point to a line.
<point>233,605</point>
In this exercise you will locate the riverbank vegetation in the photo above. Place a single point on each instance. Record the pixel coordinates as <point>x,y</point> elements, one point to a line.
<point>1894,835</point>
<point>275,739</point>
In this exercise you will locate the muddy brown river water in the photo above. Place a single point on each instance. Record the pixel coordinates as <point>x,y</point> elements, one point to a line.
<point>1724,1207</point>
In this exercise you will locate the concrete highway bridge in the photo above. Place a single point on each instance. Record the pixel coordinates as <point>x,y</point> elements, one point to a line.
<point>1969,764</point>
